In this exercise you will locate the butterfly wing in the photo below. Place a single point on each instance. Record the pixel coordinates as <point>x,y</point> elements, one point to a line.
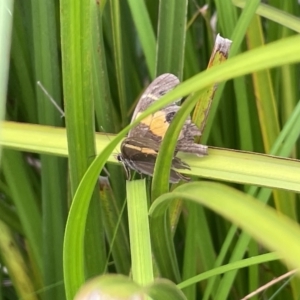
<point>148,169</point>
<point>157,88</point>
<point>155,126</point>
<point>140,155</point>
<point>139,150</point>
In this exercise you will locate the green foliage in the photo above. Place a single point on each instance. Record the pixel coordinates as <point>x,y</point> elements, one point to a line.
<point>62,224</point>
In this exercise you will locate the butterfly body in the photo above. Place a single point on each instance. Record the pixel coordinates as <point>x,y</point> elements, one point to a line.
<point>139,150</point>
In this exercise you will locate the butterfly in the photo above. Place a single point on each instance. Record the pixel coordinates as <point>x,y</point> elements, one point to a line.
<point>140,149</point>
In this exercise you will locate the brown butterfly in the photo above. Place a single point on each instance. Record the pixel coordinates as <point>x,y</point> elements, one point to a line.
<point>139,150</point>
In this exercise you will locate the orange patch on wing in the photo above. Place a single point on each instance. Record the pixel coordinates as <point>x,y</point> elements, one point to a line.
<point>142,149</point>
<point>157,123</point>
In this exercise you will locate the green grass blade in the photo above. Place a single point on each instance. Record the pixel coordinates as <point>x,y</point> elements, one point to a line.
<point>118,50</point>
<point>276,232</point>
<point>197,246</point>
<point>16,264</point>
<point>9,216</point>
<point>260,259</point>
<point>142,269</point>
<point>47,71</point>
<point>28,211</point>
<point>171,35</point>
<point>274,14</point>
<point>115,227</point>
<point>265,101</point>
<point>6,14</point>
<point>74,243</point>
<point>235,28</point>
<point>146,35</point>
<point>263,196</point>
<point>106,114</point>
<point>79,112</point>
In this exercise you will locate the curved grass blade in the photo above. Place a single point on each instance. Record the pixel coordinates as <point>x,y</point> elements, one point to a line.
<point>276,232</point>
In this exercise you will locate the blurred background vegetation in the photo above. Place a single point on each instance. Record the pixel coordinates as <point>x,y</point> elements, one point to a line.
<point>95,58</point>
